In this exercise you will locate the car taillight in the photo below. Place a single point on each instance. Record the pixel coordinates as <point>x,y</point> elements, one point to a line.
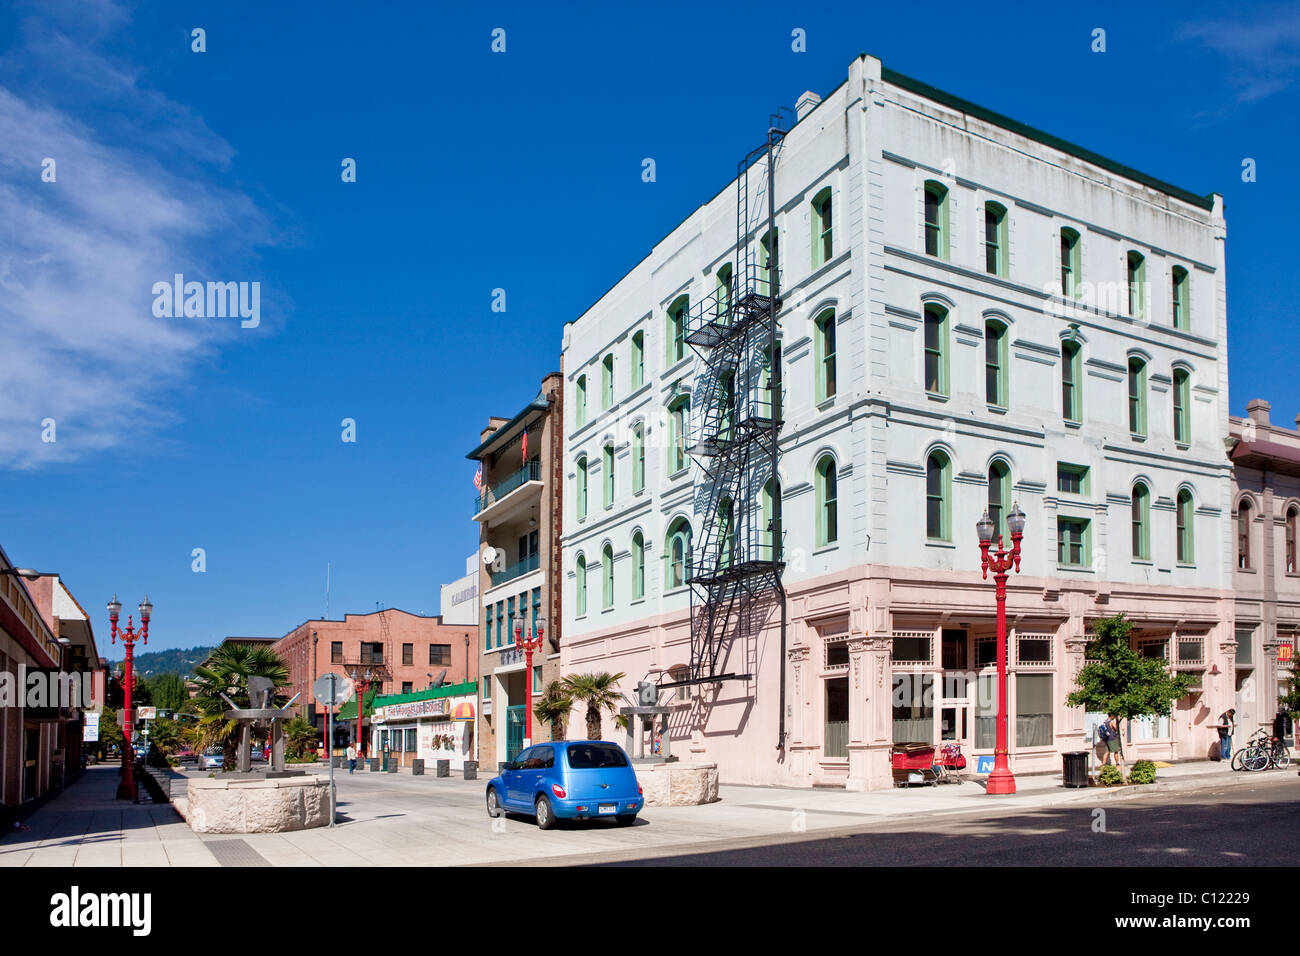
<point>558,791</point>
<point>639,790</point>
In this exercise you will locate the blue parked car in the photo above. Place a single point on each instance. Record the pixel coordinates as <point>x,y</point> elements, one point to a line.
<point>568,779</point>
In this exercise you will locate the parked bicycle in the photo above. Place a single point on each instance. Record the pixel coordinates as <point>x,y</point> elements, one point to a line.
<point>1262,752</point>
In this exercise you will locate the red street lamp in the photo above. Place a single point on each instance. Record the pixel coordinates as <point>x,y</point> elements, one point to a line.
<point>363,679</point>
<point>1001,780</point>
<point>126,789</point>
<point>528,646</point>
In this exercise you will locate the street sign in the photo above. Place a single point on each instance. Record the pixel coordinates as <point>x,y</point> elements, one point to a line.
<point>90,732</point>
<point>146,713</point>
<point>331,690</point>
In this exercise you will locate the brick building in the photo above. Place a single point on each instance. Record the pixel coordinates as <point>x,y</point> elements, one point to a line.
<point>406,652</point>
<point>518,510</point>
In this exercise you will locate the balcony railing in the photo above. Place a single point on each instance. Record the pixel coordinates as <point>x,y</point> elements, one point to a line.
<point>518,569</point>
<point>490,496</point>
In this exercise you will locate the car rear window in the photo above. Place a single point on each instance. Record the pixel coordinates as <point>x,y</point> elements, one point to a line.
<point>595,756</point>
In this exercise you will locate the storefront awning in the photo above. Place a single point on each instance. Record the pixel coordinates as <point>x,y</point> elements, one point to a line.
<point>349,710</point>
<point>463,711</point>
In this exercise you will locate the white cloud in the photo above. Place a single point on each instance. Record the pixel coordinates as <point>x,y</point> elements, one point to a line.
<point>1261,47</point>
<point>138,196</point>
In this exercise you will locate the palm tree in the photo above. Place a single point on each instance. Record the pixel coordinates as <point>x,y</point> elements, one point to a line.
<point>553,708</point>
<point>599,692</point>
<point>227,672</point>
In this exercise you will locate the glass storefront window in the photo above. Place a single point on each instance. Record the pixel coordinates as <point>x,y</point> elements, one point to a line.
<point>1033,710</point>
<point>986,710</point>
<point>1245,646</point>
<point>836,742</point>
<point>913,708</point>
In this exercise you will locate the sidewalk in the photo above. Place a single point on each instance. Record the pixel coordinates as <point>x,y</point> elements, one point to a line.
<point>390,819</point>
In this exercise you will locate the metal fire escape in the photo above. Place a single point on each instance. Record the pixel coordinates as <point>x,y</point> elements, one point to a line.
<point>737,558</point>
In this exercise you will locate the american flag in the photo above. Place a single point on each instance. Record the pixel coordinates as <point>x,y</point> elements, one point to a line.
<point>478,479</point>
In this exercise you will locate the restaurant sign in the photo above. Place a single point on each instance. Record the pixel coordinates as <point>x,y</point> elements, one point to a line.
<point>413,708</point>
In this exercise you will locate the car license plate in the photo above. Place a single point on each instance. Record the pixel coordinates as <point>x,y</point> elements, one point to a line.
<point>608,808</point>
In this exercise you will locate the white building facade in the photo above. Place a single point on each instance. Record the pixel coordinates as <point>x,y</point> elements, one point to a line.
<point>974,313</point>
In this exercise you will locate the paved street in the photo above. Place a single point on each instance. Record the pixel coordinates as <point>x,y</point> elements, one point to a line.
<point>396,819</point>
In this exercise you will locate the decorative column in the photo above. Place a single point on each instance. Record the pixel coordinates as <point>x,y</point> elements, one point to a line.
<point>871,724</point>
<point>799,703</point>
<point>1076,646</point>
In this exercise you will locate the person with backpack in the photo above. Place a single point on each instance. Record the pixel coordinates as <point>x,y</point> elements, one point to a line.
<point>1227,724</point>
<point>1108,733</point>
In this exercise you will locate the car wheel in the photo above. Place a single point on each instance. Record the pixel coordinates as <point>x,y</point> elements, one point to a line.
<point>625,819</point>
<point>545,813</point>
<point>493,803</point>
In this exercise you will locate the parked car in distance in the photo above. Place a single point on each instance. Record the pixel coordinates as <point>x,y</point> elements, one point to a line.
<point>212,760</point>
<point>568,780</point>
<point>186,753</point>
<point>255,753</point>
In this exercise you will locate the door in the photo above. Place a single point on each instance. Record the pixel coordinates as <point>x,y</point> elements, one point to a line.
<point>511,779</point>
<point>514,730</point>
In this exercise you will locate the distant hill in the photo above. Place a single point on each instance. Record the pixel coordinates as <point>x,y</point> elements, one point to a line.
<point>179,660</point>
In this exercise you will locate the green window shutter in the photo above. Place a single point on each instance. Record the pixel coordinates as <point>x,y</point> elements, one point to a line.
<point>638,566</point>
<point>1137,397</point>
<point>580,405</point>
<point>938,496</point>
<point>1182,408</point>
<point>1140,506</point>
<point>607,574</point>
<point>827,502</point>
<point>607,382</point>
<point>582,488</point>
<point>607,474</point>
<point>580,599</point>
<point>825,355</point>
<point>936,349</point>
<point>936,219</point>
<point>638,359</point>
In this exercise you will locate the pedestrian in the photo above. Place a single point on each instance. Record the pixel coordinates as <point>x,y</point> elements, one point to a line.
<point>1108,732</point>
<point>1227,726</point>
<point>352,758</point>
<point>1279,726</point>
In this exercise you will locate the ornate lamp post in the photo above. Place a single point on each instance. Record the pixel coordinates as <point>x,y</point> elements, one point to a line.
<point>528,646</point>
<point>1001,780</point>
<point>363,678</point>
<point>126,789</point>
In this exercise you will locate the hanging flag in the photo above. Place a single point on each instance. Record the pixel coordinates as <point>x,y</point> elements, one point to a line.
<point>524,453</point>
<point>478,478</point>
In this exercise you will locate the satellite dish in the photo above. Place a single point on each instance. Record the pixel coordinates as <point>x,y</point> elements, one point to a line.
<point>489,555</point>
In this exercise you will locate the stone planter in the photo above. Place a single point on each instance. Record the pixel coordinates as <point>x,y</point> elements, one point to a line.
<point>257,806</point>
<point>678,784</point>
<point>471,769</point>
<point>444,768</point>
<point>417,767</point>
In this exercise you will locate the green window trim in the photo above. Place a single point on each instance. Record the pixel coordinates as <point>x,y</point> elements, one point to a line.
<point>999,486</point>
<point>638,457</point>
<point>822,244</point>
<point>766,254</point>
<point>726,532</point>
<point>607,382</point>
<point>827,501</point>
<point>1137,279</point>
<point>580,586</point>
<point>995,239</point>
<point>936,219</point>
<point>582,488</point>
<point>938,497</point>
<point>677,555</point>
<point>1181,285</point>
<point>1137,397</point>
<point>824,345</point>
<point>676,344</point>
<point>607,474</point>
<point>1070,264</point>
<point>936,349</point>
<point>771,533</point>
<point>1185,528</point>
<point>995,364</point>
<point>638,359</point>
<point>580,403</point>
<point>726,405</point>
<point>1073,479</point>
<point>677,415</point>
<point>638,566</point>
<point>769,405</point>
<point>1182,407</point>
<point>722,292</point>
<point>607,575</point>
<point>1140,508</point>
<point>1073,542</point>
<point>1071,382</point>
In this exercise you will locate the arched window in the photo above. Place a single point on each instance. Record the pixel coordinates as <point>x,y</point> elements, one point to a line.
<point>1137,281</point>
<point>580,403</point>
<point>580,588</point>
<point>726,533</point>
<point>995,363</point>
<point>936,219</point>
<point>1186,542</point>
<point>1140,507</point>
<point>1182,407</point>
<point>769,398</point>
<point>936,349</point>
<point>677,554</point>
<point>638,457</point>
<point>821,228</point>
<point>1000,497</point>
<point>638,359</point>
<point>824,346</point>
<point>828,530</point>
<point>1292,529</point>
<point>1137,396</point>
<point>770,248</point>
<point>607,474</point>
<point>677,313</point>
<point>677,413</point>
<point>607,576</point>
<point>1179,281</point>
<point>995,239</point>
<point>638,565</point>
<point>1243,534</point>
<point>726,405</point>
<point>723,295</point>
<point>1071,272</point>
<point>771,539</point>
<point>938,496</point>
<point>607,382</point>
<point>582,488</point>
<point>1071,382</point>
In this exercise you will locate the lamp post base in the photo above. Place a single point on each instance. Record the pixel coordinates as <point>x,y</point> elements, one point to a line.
<point>1001,781</point>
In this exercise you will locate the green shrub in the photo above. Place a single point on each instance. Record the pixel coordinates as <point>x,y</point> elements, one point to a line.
<point>1110,775</point>
<point>1144,771</point>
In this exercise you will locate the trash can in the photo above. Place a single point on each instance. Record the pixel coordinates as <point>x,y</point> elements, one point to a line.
<point>444,768</point>
<point>417,767</point>
<point>1075,769</point>
<point>471,769</point>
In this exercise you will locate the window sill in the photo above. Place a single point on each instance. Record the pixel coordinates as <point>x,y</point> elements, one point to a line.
<point>997,409</point>
<point>673,476</point>
<point>1246,570</point>
<point>1144,562</point>
<point>1190,567</point>
<point>833,546</point>
<point>677,590</point>
<point>638,492</point>
<point>826,404</point>
<point>1071,423</point>
<point>1137,436</point>
<point>640,600</point>
<point>1074,567</point>
<point>937,396</point>
<point>606,610</point>
<point>939,543</point>
<point>1182,445</point>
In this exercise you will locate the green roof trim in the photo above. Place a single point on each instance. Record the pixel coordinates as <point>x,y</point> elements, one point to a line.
<point>538,404</point>
<point>1047,139</point>
<point>432,693</point>
<point>349,710</point>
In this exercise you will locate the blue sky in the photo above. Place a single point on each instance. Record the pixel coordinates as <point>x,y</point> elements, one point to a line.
<point>475,171</point>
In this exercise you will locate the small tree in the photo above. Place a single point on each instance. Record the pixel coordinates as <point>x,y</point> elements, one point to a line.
<point>599,692</point>
<point>553,708</point>
<point>1118,680</point>
<point>301,734</point>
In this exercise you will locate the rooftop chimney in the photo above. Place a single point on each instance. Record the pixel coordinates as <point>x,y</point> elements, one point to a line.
<point>1258,410</point>
<point>805,104</point>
